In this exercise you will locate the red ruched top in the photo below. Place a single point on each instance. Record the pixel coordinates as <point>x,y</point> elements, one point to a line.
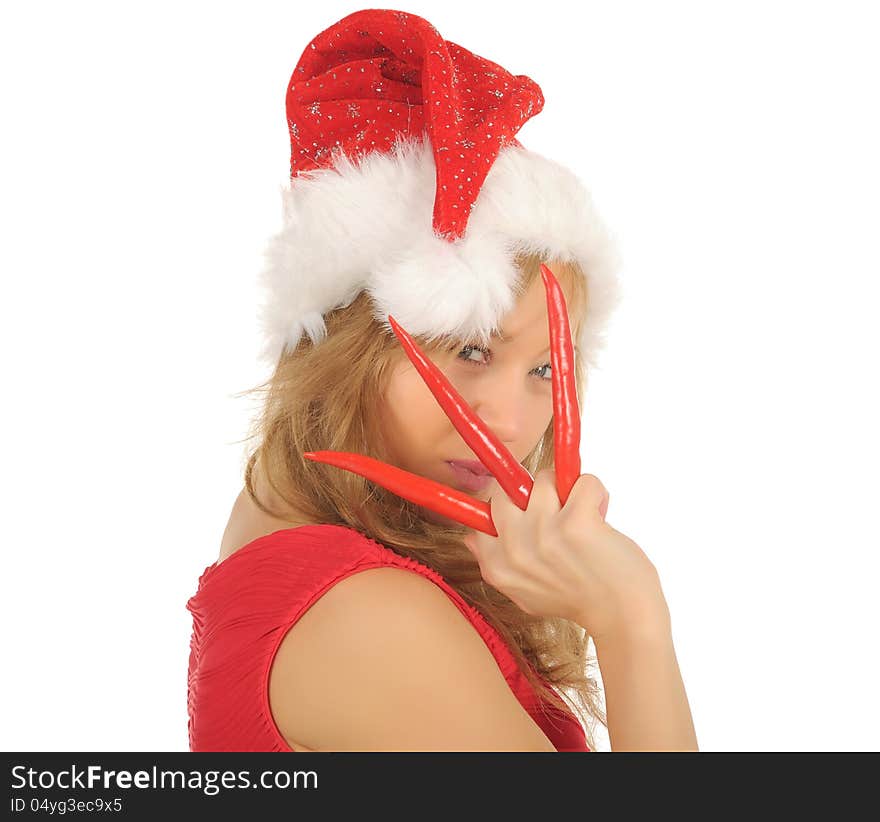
<point>244,606</point>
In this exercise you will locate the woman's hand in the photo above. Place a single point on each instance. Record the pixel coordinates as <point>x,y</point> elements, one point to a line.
<point>566,561</point>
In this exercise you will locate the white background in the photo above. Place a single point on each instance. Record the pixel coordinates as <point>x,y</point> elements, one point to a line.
<point>731,146</point>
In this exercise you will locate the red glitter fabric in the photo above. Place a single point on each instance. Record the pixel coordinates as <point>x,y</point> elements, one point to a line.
<point>377,74</point>
<point>245,605</point>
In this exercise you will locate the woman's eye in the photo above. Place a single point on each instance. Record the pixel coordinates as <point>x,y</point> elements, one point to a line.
<point>466,351</point>
<point>469,349</point>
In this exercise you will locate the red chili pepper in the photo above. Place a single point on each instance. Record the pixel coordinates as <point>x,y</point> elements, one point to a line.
<point>516,481</point>
<point>422,491</point>
<point>566,416</point>
<point>512,477</point>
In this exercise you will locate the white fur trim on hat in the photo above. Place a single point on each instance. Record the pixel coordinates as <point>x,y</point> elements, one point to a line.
<point>368,226</point>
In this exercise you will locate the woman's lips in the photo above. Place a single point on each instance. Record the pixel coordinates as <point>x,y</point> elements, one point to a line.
<point>466,478</point>
<point>474,466</point>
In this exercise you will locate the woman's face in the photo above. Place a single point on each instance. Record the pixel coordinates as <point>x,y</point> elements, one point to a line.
<point>509,388</point>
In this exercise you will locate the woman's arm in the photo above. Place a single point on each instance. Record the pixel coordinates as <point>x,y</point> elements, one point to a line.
<point>647,707</point>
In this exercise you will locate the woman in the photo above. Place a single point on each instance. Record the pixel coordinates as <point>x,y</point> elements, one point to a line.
<point>431,278</point>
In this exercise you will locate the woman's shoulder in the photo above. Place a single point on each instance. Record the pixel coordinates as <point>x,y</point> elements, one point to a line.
<point>384,661</point>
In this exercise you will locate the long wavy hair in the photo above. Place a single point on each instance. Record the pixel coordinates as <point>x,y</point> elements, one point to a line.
<point>327,397</point>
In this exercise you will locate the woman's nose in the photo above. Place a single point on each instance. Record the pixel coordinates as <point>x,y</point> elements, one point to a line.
<point>500,407</point>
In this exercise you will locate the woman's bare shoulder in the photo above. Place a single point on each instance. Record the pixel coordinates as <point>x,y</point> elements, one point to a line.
<point>384,660</point>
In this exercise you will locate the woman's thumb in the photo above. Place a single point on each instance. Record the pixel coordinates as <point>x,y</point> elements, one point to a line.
<point>590,494</point>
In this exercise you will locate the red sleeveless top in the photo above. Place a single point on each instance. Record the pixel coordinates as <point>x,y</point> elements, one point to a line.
<point>244,606</point>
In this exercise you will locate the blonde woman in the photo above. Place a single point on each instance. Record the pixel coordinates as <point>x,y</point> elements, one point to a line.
<point>416,562</point>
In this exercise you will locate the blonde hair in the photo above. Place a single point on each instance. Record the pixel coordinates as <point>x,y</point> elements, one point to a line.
<point>325,397</point>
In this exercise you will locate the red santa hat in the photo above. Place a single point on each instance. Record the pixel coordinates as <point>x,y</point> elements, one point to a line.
<point>407,181</point>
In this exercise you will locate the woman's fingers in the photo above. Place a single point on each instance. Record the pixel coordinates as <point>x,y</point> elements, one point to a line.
<point>439,498</point>
<point>566,415</point>
<point>511,475</point>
